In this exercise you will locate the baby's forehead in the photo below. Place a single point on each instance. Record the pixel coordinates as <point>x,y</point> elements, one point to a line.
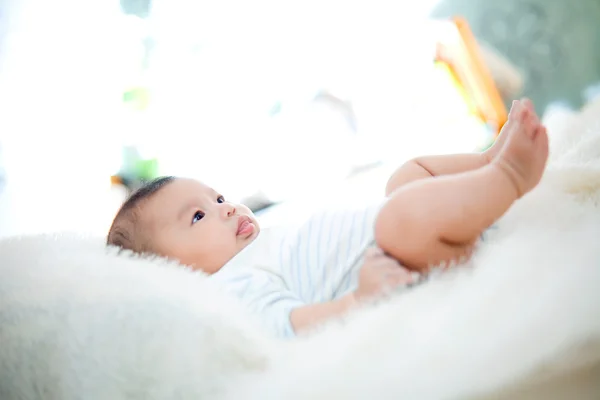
<point>186,184</point>
<point>182,189</point>
<point>172,198</point>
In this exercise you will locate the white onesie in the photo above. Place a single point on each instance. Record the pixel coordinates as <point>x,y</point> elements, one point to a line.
<point>317,263</point>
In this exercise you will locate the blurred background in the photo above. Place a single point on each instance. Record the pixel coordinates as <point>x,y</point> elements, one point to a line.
<point>271,102</point>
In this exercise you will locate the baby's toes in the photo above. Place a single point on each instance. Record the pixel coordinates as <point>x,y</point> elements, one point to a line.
<point>538,130</point>
<point>530,110</point>
<point>530,123</point>
<point>516,111</point>
<point>528,104</point>
<point>541,138</point>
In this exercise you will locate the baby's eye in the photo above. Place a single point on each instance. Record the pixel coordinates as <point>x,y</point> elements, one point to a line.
<point>198,215</point>
<point>220,199</point>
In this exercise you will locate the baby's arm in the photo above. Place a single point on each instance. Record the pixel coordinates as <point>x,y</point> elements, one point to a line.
<point>306,317</point>
<point>282,313</point>
<point>278,309</point>
<point>378,274</point>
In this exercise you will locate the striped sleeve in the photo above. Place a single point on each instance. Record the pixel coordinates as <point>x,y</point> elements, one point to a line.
<point>263,294</point>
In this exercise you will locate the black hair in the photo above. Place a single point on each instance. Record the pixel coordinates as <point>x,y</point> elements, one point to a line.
<point>125,230</point>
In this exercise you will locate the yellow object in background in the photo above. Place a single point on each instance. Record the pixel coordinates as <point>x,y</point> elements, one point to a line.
<point>459,56</point>
<point>456,86</point>
<point>456,111</point>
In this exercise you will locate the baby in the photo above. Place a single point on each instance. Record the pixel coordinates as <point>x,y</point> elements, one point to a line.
<point>436,209</point>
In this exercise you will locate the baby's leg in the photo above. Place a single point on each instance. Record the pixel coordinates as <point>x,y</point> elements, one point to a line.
<point>440,219</point>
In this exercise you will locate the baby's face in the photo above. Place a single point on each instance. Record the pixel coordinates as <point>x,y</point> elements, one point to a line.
<point>192,223</point>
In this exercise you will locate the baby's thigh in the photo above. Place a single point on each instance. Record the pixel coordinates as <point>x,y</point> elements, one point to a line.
<point>403,236</point>
<point>397,232</point>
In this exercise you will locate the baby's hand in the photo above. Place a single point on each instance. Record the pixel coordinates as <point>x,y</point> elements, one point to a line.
<point>379,275</point>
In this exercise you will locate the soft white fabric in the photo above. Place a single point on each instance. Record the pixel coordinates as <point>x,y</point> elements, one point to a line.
<point>315,263</point>
<point>79,322</point>
<point>523,323</point>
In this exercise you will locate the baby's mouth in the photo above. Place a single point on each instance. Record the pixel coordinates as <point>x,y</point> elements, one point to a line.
<point>245,226</point>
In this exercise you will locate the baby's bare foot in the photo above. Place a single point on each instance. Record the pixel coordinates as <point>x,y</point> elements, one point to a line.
<point>510,125</point>
<point>523,156</point>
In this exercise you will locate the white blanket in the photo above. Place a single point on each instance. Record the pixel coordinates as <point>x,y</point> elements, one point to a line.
<point>521,321</point>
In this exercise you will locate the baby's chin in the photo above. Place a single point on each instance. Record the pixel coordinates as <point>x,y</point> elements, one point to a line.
<point>242,246</point>
<point>254,235</point>
<point>256,228</point>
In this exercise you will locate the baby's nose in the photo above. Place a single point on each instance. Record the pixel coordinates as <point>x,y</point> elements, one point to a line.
<point>227,210</point>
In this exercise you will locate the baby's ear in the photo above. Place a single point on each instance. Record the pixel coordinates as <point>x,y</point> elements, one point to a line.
<point>121,233</point>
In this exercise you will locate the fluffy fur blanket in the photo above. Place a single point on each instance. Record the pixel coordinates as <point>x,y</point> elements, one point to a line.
<point>522,320</point>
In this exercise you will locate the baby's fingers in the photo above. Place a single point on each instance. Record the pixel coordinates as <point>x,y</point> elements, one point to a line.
<point>373,252</point>
<point>398,276</point>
